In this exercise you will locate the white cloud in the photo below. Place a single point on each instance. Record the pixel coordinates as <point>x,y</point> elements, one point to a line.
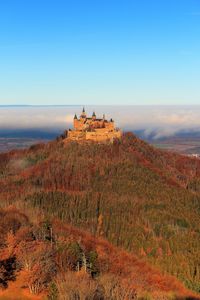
<point>34,117</point>
<point>159,121</point>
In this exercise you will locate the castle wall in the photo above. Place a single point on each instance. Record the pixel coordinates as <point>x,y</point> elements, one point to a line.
<point>102,136</point>
<point>78,124</point>
<point>110,125</point>
<point>76,135</point>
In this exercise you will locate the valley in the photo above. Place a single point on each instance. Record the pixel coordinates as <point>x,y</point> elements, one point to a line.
<point>183,145</point>
<point>11,143</point>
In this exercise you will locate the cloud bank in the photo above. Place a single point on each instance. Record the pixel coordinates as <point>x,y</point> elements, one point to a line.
<point>154,121</point>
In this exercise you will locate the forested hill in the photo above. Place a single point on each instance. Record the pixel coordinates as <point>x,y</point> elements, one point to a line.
<point>138,197</point>
<point>51,260</point>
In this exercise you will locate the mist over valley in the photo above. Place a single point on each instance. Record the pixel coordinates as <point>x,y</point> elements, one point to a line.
<point>169,127</point>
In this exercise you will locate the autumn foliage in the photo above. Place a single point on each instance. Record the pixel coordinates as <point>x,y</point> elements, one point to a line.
<point>140,199</point>
<point>71,264</point>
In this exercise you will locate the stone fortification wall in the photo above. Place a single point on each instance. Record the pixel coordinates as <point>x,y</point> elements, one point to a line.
<point>76,135</point>
<point>99,135</point>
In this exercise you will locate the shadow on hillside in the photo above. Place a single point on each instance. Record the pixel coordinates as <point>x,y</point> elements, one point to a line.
<point>7,271</point>
<point>187,298</point>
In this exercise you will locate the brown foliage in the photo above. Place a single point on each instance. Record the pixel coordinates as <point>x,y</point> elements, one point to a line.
<point>136,196</point>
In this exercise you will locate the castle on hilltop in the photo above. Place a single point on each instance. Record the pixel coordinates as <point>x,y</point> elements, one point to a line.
<point>98,130</point>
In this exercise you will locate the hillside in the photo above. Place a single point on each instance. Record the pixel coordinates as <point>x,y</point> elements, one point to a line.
<point>142,199</point>
<point>52,260</point>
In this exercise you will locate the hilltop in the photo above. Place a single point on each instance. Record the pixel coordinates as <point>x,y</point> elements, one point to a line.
<point>139,198</point>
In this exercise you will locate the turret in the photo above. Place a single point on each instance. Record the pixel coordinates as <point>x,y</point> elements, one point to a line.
<point>83,115</point>
<point>111,124</point>
<point>93,116</point>
<point>76,122</point>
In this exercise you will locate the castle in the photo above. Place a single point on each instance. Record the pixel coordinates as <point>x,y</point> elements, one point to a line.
<point>98,130</point>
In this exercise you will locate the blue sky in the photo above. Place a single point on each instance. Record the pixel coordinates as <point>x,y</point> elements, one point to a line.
<point>100,52</point>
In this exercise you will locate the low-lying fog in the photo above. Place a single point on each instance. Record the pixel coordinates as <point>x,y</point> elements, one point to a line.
<point>150,122</point>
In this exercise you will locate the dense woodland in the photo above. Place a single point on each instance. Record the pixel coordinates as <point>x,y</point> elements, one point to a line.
<point>63,262</point>
<point>141,199</point>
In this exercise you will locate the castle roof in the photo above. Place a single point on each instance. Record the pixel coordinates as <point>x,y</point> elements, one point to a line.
<point>99,120</point>
<point>96,119</point>
<point>84,116</point>
<point>89,118</point>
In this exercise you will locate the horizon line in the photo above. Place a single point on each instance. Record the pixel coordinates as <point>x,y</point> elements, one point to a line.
<point>85,105</point>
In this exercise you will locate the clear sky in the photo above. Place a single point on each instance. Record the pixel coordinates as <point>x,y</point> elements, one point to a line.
<point>99,52</point>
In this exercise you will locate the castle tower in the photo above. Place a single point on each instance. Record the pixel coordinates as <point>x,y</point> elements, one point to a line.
<point>93,116</point>
<point>76,122</point>
<point>111,124</point>
<point>83,114</point>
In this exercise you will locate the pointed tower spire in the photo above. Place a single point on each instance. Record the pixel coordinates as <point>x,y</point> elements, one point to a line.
<point>75,116</point>
<point>93,116</point>
<point>83,115</point>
